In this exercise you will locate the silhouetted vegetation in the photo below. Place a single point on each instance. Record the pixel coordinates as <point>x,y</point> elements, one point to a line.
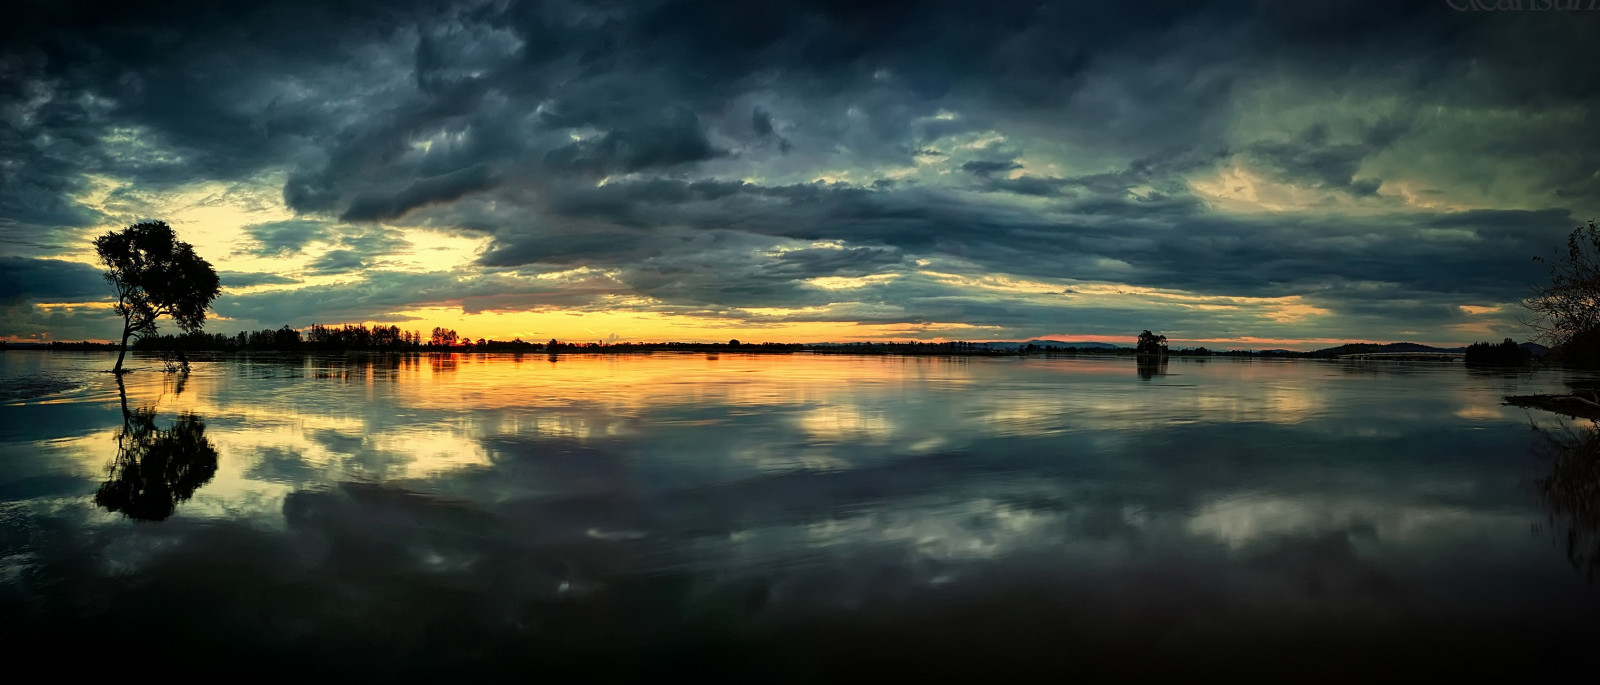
<point>391,339</point>
<point>1151,345</point>
<point>1566,311</point>
<point>156,469</point>
<point>1507,353</point>
<point>155,274</point>
<point>317,338</point>
<point>443,337</point>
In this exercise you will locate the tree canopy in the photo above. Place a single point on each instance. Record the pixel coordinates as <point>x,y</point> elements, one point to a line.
<point>1566,311</point>
<point>155,274</point>
<point>1152,344</point>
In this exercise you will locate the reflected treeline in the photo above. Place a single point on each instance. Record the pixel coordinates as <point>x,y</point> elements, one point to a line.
<point>1151,366</point>
<point>156,469</point>
<point>1570,493</point>
<point>380,367</point>
<point>385,367</point>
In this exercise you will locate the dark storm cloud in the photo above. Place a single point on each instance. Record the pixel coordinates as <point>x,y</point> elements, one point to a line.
<point>49,280</point>
<point>338,262</point>
<point>676,139</point>
<point>1028,185</point>
<point>701,276</point>
<point>352,247</point>
<point>165,94</point>
<point>427,191</point>
<point>984,167</point>
<point>643,76</point>
<point>1310,159</point>
<point>372,241</point>
<point>761,123</point>
<point>1158,242</point>
<point>499,119</point>
<point>382,295</point>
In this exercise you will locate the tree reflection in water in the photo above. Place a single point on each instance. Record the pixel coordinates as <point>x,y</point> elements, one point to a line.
<point>1571,492</point>
<point>156,469</point>
<point>1149,367</point>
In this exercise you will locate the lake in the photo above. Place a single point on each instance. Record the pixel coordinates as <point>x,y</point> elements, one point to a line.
<point>793,518</point>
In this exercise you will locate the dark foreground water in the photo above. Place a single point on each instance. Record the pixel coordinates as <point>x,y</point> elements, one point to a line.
<point>792,518</point>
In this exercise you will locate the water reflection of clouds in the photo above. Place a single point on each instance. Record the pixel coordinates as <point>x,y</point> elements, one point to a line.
<point>1240,521</point>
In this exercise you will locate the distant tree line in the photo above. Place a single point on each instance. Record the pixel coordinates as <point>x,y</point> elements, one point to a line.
<point>1507,353</point>
<point>380,338</point>
<point>317,338</point>
<point>389,339</point>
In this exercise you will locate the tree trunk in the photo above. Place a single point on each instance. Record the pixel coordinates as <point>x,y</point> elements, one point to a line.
<point>123,352</point>
<point>122,393</point>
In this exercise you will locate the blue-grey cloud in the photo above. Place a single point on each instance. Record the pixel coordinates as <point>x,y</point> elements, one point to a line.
<point>50,280</point>
<point>422,192</point>
<point>676,139</point>
<point>245,279</point>
<point>279,238</point>
<point>986,167</point>
<point>338,262</point>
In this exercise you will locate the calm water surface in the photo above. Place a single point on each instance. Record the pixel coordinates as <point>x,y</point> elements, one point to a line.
<point>794,518</point>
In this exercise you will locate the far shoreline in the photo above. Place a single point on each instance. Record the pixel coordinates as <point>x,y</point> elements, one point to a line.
<point>714,349</point>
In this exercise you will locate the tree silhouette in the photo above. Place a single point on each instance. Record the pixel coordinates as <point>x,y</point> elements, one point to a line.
<point>1566,311</point>
<point>443,337</point>
<point>156,469</point>
<point>155,274</point>
<point>1507,353</point>
<point>1151,344</point>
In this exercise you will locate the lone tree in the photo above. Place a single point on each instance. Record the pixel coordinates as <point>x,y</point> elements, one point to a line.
<point>1151,344</point>
<point>155,274</point>
<point>1566,311</point>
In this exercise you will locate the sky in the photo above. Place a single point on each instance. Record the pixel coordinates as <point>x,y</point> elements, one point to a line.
<point>1230,174</point>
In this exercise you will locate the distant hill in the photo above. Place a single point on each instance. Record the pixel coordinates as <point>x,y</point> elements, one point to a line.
<point>1369,348</point>
<point>1535,349</point>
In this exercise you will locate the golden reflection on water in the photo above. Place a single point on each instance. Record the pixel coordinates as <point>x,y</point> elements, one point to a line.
<point>427,414</point>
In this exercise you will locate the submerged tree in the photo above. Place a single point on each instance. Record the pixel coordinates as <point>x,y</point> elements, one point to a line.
<point>155,274</point>
<point>1566,311</point>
